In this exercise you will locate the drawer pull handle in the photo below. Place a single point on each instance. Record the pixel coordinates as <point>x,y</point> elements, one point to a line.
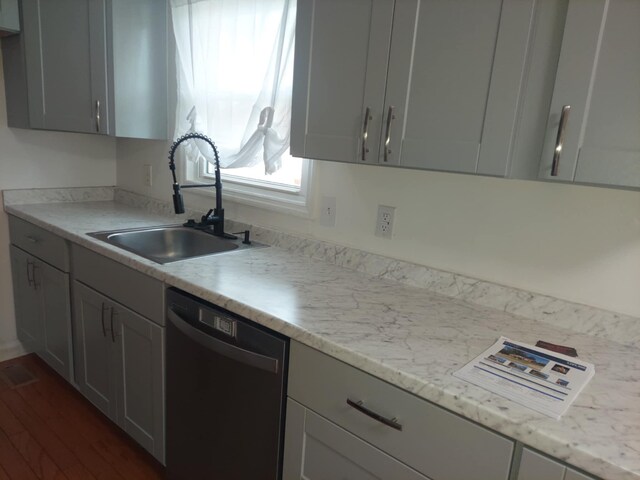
<point>31,239</point>
<point>393,423</point>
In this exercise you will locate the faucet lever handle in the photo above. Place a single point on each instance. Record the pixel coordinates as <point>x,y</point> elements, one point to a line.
<point>207,215</point>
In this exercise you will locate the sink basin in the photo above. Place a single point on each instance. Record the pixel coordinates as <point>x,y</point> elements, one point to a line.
<point>166,244</point>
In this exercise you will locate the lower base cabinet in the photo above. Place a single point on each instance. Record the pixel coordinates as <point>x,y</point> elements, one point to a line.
<point>119,345</point>
<point>40,266</point>
<point>120,366</point>
<point>343,423</point>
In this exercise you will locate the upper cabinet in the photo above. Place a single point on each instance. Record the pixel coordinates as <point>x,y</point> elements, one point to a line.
<point>90,66</point>
<point>430,84</point>
<point>597,138</point>
<point>9,17</point>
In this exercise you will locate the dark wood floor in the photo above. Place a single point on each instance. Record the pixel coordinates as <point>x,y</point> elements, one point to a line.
<point>49,431</point>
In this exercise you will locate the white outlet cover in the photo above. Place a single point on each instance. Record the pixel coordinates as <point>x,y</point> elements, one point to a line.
<point>384,221</point>
<point>327,212</point>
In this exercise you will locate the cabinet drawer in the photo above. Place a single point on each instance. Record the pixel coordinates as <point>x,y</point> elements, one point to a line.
<point>432,440</point>
<point>143,294</point>
<point>39,243</point>
<point>316,449</point>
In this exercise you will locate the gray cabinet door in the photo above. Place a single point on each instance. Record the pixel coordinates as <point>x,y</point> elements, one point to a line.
<point>28,308</point>
<point>340,70</point>
<point>52,287</point>
<point>317,449</point>
<point>456,70</point>
<point>139,346</point>
<point>536,466</point>
<point>95,364</point>
<point>598,76</point>
<point>66,64</point>
<point>9,17</point>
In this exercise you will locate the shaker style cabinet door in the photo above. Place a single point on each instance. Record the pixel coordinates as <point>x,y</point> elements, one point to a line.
<point>96,372</point>
<point>455,75</point>
<point>597,86</point>
<point>26,299</point>
<point>66,64</point>
<point>52,287</point>
<point>429,84</point>
<point>139,347</point>
<point>340,70</point>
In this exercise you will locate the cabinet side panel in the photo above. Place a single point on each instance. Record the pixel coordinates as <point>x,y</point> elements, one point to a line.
<point>138,63</point>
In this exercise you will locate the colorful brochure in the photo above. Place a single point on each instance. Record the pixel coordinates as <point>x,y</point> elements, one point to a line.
<point>545,381</point>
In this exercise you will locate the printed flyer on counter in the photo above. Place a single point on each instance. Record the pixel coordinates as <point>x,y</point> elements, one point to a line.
<point>540,379</point>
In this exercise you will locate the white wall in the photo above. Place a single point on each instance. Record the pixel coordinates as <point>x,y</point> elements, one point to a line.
<point>32,159</point>
<point>573,242</point>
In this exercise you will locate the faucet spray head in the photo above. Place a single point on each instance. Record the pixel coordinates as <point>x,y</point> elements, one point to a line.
<point>178,202</point>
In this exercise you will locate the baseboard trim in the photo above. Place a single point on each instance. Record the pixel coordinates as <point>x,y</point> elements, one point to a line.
<point>11,350</point>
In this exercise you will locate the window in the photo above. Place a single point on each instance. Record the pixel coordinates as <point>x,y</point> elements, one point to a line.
<point>235,73</point>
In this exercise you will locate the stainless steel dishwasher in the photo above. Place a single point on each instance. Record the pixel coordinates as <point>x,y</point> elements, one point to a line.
<point>225,394</point>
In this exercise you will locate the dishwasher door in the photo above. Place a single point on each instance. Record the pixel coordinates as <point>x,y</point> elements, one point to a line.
<point>225,380</point>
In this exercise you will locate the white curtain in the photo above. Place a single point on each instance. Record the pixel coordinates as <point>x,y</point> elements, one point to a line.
<point>235,67</point>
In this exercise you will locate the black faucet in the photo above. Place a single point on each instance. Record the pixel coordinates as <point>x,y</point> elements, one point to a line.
<point>213,217</point>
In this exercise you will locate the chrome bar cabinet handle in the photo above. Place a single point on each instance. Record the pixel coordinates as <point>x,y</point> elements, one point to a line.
<point>564,118</point>
<point>387,141</point>
<point>113,330</point>
<point>365,133</point>
<point>104,330</point>
<point>389,422</point>
<point>98,116</point>
<point>30,279</point>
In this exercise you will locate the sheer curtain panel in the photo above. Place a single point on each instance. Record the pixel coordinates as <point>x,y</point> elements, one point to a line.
<point>234,62</point>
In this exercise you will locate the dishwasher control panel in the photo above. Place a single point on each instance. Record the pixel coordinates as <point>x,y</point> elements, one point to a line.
<point>217,322</point>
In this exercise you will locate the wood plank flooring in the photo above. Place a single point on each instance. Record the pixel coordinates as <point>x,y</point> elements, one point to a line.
<point>48,431</point>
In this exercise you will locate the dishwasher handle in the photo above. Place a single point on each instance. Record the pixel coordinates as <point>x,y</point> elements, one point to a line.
<point>225,349</point>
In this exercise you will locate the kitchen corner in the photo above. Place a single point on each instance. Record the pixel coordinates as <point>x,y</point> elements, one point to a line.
<point>405,324</point>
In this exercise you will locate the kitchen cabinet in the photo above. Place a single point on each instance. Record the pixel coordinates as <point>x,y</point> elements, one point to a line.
<point>598,77</point>
<point>9,17</point>
<point>119,352</point>
<point>89,66</point>
<point>536,466</point>
<point>430,84</point>
<point>40,265</point>
<point>319,450</point>
<point>353,422</point>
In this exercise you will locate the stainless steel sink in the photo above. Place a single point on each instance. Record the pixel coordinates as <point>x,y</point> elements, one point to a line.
<point>166,244</point>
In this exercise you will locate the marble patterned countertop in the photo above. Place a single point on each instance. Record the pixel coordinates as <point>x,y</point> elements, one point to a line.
<point>410,337</point>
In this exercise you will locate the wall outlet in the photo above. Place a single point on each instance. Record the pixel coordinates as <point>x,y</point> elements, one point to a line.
<point>384,224</point>
<point>148,175</point>
<point>328,212</point>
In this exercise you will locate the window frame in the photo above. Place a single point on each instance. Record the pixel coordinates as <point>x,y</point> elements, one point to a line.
<point>253,192</point>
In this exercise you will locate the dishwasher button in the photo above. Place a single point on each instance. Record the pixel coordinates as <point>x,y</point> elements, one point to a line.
<point>226,326</point>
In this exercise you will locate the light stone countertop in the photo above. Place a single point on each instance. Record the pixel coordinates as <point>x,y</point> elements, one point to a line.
<point>410,337</point>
